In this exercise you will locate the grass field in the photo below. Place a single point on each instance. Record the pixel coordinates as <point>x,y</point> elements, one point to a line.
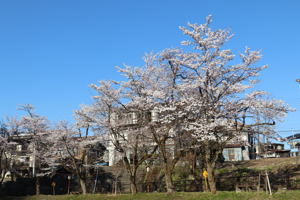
<point>288,195</point>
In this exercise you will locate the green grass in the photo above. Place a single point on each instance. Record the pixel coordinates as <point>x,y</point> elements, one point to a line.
<point>288,195</point>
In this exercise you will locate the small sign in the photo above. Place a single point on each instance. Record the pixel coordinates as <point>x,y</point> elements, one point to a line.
<point>205,174</point>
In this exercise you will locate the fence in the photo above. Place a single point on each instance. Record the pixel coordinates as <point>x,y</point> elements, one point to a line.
<point>105,184</point>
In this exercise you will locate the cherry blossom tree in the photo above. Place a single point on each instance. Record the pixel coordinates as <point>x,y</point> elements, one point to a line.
<point>10,127</point>
<point>215,90</point>
<point>32,123</point>
<point>66,147</point>
<point>5,151</point>
<point>36,126</point>
<point>152,89</point>
<point>13,125</point>
<point>201,91</point>
<point>125,125</point>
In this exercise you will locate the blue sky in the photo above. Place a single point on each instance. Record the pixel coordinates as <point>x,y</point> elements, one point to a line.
<point>51,50</point>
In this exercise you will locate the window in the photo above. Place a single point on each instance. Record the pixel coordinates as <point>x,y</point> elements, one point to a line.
<point>231,154</point>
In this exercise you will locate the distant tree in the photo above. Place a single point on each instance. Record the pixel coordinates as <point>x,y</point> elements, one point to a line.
<point>36,126</point>
<point>83,123</point>
<point>32,123</point>
<point>3,129</point>
<point>6,149</point>
<point>65,147</point>
<point>13,125</point>
<point>5,158</point>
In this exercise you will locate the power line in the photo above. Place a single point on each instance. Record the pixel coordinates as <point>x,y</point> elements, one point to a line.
<point>291,130</point>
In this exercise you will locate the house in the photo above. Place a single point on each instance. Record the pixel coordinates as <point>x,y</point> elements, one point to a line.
<point>237,149</point>
<point>23,160</point>
<point>272,150</point>
<point>125,122</point>
<point>21,157</point>
<point>294,142</point>
<point>236,152</point>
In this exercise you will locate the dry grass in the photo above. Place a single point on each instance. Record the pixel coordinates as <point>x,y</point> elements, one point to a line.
<point>263,164</point>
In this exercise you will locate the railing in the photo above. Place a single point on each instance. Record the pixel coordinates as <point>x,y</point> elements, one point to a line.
<point>25,186</point>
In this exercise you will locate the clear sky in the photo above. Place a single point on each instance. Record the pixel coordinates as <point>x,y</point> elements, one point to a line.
<point>51,50</point>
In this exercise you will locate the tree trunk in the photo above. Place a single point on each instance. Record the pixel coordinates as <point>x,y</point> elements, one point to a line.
<point>132,173</point>
<point>133,186</point>
<point>2,175</point>
<point>37,186</point>
<point>211,178</point>
<point>168,179</point>
<point>82,185</point>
